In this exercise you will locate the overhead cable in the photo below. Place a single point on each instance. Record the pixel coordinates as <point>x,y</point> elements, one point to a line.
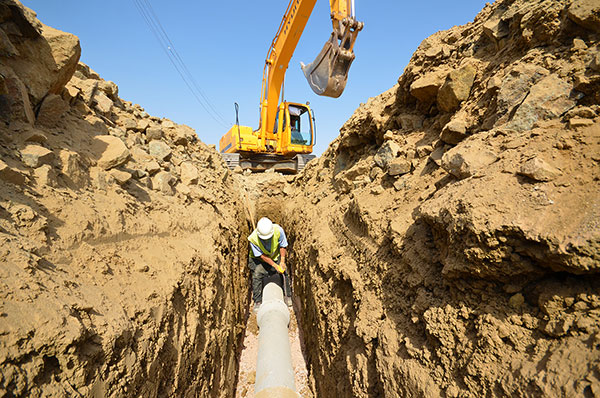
<point>151,19</point>
<point>185,68</point>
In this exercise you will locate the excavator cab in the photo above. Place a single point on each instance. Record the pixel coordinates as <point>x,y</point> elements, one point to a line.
<point>296,127</point>
<point>328,73</point>
<point>301,126</point>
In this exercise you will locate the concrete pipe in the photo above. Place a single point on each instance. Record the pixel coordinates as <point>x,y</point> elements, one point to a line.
<point>274,372</point>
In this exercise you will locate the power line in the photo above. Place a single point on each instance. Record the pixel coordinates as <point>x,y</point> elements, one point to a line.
<point>151,19</point>
<point>167,46</point>
<point>178,57</point>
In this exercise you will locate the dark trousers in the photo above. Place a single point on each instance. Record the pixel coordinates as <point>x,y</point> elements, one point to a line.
<point>260,270</point>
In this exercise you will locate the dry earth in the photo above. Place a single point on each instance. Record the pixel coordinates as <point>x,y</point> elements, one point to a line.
<point>121,236</point>
<point>452,245</point>
<point>445,245</point>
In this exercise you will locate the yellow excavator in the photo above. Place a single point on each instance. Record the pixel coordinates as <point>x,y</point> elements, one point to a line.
<point>286,134</point>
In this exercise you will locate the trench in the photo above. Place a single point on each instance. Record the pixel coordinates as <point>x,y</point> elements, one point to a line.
<point>269,205</point>
<point>411,275</point>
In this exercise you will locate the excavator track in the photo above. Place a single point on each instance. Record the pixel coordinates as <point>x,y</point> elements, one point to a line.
<point>264,162</point>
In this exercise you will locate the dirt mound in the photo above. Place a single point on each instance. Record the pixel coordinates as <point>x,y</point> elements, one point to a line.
<point>120,236</point>
<point>447,243</point>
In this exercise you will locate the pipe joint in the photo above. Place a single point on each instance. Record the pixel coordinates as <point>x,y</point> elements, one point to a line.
<point>272,308</point>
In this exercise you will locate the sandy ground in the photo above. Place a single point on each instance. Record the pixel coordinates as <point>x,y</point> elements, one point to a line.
<point>247,375</point>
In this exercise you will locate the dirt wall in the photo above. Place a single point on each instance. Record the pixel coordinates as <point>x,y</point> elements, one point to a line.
<point>121,236</point>
<point>446,244</point>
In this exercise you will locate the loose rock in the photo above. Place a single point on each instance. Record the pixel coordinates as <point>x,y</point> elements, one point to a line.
<point>586,13</point>
<point>36,136</point>
<point>103,103</point>
<point>120,176</point>
<point>110,151</point>
<point>184,135</point>
<point>496,29</point>
<point>163,182</point>
<point>19,107</point>
<point>35,156</point>
<point>537,169</point>
<point>189,173</point>
<point>424,150</point>
<point>109,88</point>
<point>454,132</point>
<point>426,88</point>
<point>152,167</point>
<point>73,167</point>
<point>595,64</point>
<point>547,99</point>
<point>388,151</point>
<point>11,175</point>
<point>58,49</point>
<point>128,123</point>
<point>456,88</point>
<point>45,175</point>
<point>437,154</point>
<point>466,161</point>
<point>142,125</point>
<point>580,122</point>
<point>159,150</point>
<point>516,84</point>
<point>153,133</point>
<point>51,110</point>
<point>398,167</point>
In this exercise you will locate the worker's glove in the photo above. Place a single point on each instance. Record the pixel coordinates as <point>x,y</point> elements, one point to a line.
<point>281,267</point>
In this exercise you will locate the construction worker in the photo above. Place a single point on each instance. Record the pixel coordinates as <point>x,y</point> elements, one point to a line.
<point>268,245</point>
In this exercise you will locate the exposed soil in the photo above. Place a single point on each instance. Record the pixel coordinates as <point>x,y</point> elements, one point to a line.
<point>451,247</point>
<point>447,244</point>
<point>121,237</point>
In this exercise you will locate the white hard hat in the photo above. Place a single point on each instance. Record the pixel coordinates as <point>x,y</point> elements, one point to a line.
<point>265,228</point>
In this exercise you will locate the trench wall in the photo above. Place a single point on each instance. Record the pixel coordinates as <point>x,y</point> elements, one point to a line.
<point>446,244</point>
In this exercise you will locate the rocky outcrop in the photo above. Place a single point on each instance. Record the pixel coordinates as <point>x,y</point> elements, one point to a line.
<point>122,268</point>
<point>33,53</point>
<point>474,271</point>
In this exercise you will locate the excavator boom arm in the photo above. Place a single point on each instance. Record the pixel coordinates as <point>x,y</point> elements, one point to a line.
<point>327,75</point>
<point>278,58</point>
<point>341,9</point>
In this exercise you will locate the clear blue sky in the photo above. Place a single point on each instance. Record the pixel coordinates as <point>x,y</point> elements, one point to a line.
<point>224,44</point>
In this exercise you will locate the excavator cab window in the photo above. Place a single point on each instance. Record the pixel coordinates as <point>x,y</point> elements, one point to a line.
<point>300,125</point>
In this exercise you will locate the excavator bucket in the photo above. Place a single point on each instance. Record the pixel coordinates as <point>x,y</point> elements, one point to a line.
<point>328,73</point>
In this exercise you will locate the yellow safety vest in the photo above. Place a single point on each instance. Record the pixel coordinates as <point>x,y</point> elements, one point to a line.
<point>273,254</point>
